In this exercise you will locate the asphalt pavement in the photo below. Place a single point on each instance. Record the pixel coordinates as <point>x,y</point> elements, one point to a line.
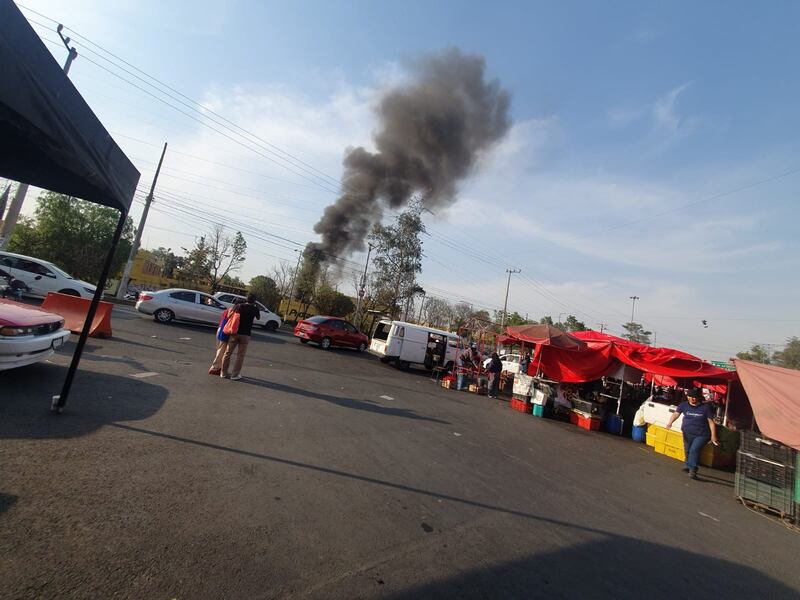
<point>326,474</point>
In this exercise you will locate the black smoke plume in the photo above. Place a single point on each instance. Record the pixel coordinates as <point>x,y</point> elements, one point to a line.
<point>432,131</point>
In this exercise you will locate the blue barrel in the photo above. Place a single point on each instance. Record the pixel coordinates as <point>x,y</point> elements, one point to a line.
<point>614,424</point>
<point>639,433</point>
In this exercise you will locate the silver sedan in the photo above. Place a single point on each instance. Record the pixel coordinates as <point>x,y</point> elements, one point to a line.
<point>180,305</point>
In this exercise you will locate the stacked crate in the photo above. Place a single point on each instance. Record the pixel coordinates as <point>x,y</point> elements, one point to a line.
<point>670,443</point>
<point>766,473</point>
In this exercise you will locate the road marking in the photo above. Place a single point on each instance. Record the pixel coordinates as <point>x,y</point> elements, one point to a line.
<point>456,434</point>
<point>144,375</point>
<point>702,514</point>
<point>184,338</point>
<point>386,397</point>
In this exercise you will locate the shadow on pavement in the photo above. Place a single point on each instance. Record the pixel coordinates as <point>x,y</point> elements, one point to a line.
<point>366,405</point>
<point>96,399</point>
<point>613,566</point>
<point>6,502</point>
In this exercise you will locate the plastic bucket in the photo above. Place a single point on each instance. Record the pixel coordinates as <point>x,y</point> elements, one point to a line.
<point>614,424</point>
<point>538,410</point>
<point>639,433</point>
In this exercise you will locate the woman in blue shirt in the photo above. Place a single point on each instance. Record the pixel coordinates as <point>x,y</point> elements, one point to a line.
<point>698,427</point>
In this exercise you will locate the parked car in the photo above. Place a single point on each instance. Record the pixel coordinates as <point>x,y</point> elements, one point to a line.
<point>510,363</point>
<point>43,277</point>
<point>28,334</point>
<point>181,305</point>
<point>330,331</point>
<point>268,319</point>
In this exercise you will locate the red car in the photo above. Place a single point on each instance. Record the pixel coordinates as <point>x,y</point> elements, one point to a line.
<point>330,331</point>
<point>28,334</point>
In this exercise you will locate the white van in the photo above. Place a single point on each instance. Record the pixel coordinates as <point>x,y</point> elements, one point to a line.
<point>407,344</point>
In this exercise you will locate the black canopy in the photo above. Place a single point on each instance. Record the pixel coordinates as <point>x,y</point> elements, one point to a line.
<point>49,137</point>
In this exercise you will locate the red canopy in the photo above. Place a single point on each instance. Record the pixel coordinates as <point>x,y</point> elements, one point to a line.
<point>545,335</point>
<point>604,352</point>
<point>774,395</point>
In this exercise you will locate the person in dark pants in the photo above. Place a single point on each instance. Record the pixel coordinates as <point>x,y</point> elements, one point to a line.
<point>248,312</point>
<point>698,427</point>
<point>494,369</point>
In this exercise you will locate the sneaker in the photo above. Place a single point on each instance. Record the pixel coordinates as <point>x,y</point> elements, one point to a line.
<point>223,375</point>
<point>235,377</point>
<point>692,474</point>
<point>685,469</point>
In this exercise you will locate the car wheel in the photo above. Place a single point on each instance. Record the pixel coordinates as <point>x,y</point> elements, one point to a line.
<point>362,346</point>
<point>271,325</point>
<point>325,344</point>
<point>403,365</point>
<point>69,292</point>
<point>303,341</point>
<point>163,315</point>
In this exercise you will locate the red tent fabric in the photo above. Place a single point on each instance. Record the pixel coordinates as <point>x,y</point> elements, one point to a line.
<point>546,335</point>
<point>774,395</point>
<point>603,353</point>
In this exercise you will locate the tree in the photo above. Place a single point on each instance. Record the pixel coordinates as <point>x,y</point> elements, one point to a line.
<point>789,357</point>
<point>756,354</point>
<point>332,302</point>
<point>461,312</point>
<point>398,257</point>
<point>437,312</point>
<point>169,262</point>
<point>548,320</point>
<point>636,333</point>
<point>196,267</point>
<point>74,234</point>
<point>282,276</point>
<point>266,290</point>
<point>572,324</point>
<point>512,319</point>
<point>225,254</point>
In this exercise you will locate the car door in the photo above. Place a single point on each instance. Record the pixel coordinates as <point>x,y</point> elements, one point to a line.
<point>184,304</point>
<point>351,334</point>
<point>36,276</point>
<point>335,331</point>
<point>210,310</point>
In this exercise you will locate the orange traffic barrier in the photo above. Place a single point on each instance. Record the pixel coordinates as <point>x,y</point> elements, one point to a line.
<point>74,310</point>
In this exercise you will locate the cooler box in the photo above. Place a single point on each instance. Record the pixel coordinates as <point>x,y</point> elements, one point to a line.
<point>585,421</point>
<point>659,414</point>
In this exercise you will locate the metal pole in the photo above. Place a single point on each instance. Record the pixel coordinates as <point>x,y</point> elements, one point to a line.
<point>59,401</point>
<point>505,302</point>
<point>727,404</point>
<point>291,287</point>
<point>363,284</point>
<point>126,274</point>
<point>72,53</point>
<point>633,305</point>
<point>421,306</point>
<point>11,216</point>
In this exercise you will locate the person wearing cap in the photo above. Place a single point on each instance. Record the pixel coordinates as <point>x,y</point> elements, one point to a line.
<point>698,427</point>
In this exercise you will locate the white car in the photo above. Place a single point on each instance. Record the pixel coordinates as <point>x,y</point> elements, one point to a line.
<point>181,305</point>
<point>28,334</point>
<point>43,277</point>
<point>268,319</point>
<point>510,363</point>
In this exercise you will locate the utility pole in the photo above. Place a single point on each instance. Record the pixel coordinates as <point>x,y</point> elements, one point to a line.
<point>633,305</point>
<point>655,338</point>
<point>362,286</point>
<point>505,303</point>
<point>126,274</point>
<point>421,306</point>
<point>602,327</point>
<point>291,287</point>
<point>72,53</point>
<point>22,189</point>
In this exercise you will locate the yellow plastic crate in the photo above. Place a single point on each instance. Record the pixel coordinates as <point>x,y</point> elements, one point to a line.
<point>650,438</point>
<point>675,452</point>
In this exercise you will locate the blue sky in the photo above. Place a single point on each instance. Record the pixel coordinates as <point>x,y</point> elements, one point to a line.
<point>654,150</point>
